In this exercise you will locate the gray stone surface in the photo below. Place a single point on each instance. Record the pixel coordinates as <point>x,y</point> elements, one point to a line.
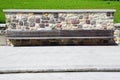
<point>62,76</point>
<point>3,40</point>
<point>2,25</point>
<point>53,10</point>
<point>59,57</point>
<point>117,24</point>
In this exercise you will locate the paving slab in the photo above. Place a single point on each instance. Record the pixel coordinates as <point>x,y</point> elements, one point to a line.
<point>55,58</point>
<point>62,76</point>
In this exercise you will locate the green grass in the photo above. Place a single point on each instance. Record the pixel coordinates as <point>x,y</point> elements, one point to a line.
<point>59,4</point>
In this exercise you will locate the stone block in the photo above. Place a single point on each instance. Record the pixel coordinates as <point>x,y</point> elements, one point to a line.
<point>13,25</point>
<point>93,22</point>
<point>81,17</point>
<point>87,21</point>
<point>58,25</point>
<point>37,20</point>
<point>44,21</point>
<point>108,14</point>
<point>32,19</point>
<point>21,23</point>
<point>51,21</point>
<point>42,25</point>
<point>55,15</point>
<point>32,24</point>
<point>75,21</point>
<point>27,23</point>
<point>45,14</point>
<point>45,18</point>
<point>62,18</point>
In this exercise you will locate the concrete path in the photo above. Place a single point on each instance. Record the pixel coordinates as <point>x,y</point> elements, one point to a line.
<point>55,58</point>
<point>62,76</point>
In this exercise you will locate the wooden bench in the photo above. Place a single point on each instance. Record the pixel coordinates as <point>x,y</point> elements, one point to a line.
<point>61,34</point>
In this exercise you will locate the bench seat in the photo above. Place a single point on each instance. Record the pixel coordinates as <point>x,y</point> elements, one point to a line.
<point>61,34</point>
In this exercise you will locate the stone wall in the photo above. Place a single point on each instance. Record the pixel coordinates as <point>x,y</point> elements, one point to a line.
<point>117,32</point>
<point>60,20</point>
<point>3,39</point>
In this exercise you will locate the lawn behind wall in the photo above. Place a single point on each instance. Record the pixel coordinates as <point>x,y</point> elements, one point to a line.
<point>59,4</point>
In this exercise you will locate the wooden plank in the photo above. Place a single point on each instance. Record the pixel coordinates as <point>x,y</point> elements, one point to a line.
<point>62,33</point>
<point>60,37</point>
<point>86,33</point>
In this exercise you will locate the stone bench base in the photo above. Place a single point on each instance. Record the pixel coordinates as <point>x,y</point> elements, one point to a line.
<point>61,37</point>
<point>60,42</point>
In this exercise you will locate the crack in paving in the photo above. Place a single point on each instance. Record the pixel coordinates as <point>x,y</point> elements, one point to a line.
<point>59,71</point>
